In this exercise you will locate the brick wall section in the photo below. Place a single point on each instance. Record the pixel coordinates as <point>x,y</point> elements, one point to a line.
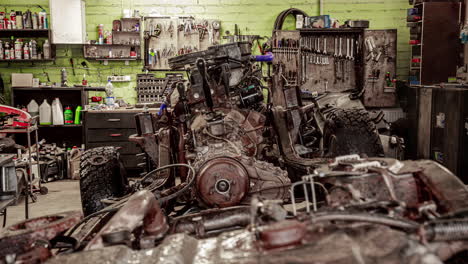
<point>252,16</point>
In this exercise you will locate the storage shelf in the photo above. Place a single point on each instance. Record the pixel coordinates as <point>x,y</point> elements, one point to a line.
<point>29,33</point>
<point>112,45</point>
<point>47,88</point>
<point>331,30</point>
<point>29,60</point>
<point>113,59</point>
<point>126,32</point>
<point>60,126</point>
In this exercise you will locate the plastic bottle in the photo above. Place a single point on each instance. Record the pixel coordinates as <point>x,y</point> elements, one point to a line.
<point>46,49</point>
<point>78,115</point>
<point>33,49</point>
<point>33,108</point>
<point>18,49</point>
<point>57,112</point>
<point>45,113</point>
<point>68,116</point>
<point>26,51</point>
<point>42,19</point>
<point>109,89</point>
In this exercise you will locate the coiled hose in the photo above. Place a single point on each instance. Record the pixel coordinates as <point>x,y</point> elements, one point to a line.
<point>282,16</point>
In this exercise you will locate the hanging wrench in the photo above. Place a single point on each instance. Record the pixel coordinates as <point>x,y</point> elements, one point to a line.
<point>335,50</point>
<point>347,48</point>
<point>339,53</point>
<point>325,46</point>
<point>318,45</point>
<point>352,49</point>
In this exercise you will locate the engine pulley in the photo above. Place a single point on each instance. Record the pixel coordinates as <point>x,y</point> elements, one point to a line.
<point>222,182</point>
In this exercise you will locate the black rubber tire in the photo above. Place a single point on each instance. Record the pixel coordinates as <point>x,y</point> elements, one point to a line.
<point>351,131</point>
<point>101,177</point>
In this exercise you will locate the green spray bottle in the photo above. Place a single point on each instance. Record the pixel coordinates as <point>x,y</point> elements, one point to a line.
<point>78,115</point>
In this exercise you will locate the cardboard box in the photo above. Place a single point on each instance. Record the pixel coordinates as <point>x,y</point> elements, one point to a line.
<point>21,79</point>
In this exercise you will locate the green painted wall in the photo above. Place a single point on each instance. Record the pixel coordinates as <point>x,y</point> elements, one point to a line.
<point>252,16</point>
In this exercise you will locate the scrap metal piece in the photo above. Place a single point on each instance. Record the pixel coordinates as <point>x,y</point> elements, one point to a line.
<point>282,234</point>
<point>21,237</point>
<point>141,207</point>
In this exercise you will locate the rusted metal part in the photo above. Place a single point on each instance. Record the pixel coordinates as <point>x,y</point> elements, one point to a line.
<point>33,256</point>
<point>20,238</point>
<point>141,207</point>
<point>181,151</point>
<point>282,234</point>
<point>325,245</point>
<point>202,224</point>
<point>149,144</point>
<point>222,182</point>
<point>448,190</point>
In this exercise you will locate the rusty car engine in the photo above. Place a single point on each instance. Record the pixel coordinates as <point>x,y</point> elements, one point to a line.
<point>220,120</point>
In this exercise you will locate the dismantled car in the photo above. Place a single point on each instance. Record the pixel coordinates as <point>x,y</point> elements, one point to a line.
<point>240,177</point>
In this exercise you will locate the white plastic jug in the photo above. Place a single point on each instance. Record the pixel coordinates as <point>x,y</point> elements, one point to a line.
<point>33,108</point>
<point>57,112</point>
<point>45,113</point>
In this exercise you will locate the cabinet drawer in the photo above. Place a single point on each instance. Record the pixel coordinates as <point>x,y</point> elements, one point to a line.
<point>109,135</point>
<point>110,120</point>
<point>125,147</point>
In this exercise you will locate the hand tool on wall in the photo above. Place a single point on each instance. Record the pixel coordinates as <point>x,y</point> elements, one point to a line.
<point>339,53</point>
<point>335,50</point>
<point>85,65</point>
<point>73,66</point>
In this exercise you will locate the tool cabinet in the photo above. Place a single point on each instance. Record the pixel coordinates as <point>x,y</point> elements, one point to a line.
<point>112,128</point>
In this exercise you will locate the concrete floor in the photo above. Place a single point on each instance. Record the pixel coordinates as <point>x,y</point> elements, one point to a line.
<point>63,196</point>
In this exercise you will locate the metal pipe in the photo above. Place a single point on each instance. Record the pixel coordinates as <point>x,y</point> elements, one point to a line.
<point>375,219</point>
<point>216,219</point>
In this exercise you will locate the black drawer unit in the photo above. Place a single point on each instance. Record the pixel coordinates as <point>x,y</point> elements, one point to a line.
<point>438,116</point>
<point>112,128</point>
<point>449,129</point>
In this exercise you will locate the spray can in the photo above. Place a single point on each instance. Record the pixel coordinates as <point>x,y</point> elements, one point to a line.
<point>26,51</point>
<point>2,20</point>
<point>18,49</point>
<point>33,48</point>
<point>42,19</point>
<point>27,20</point>
<point>64,77</point>
<point>13,19</point>
<point>46,49</point>
<point>101,33</point>
<point>19,20</point>
<point>35,22</point>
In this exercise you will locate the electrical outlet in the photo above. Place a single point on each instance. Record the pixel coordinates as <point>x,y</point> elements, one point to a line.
<point>119,78</point>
